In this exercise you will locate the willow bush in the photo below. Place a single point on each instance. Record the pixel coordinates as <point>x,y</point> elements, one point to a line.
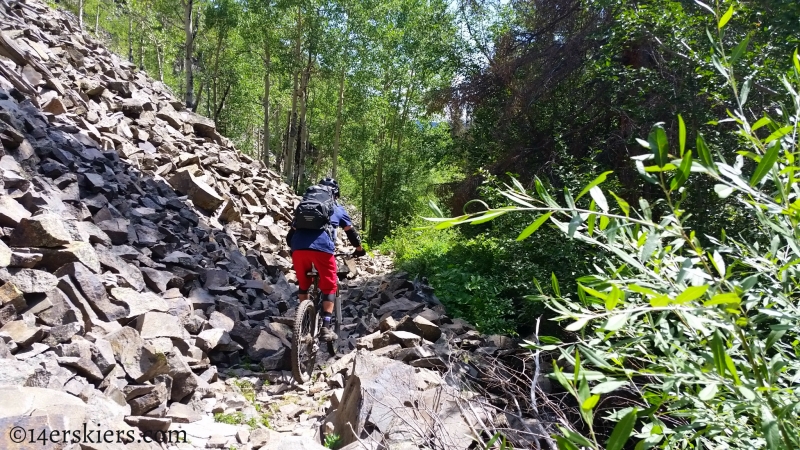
<point>700,334</point>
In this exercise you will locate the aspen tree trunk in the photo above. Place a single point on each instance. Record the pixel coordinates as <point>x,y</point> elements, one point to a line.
<point>277,133</point>
<point>292,137</point>
<point>338,124</point>
<point>302,137</point>
<point>97,21</point>
<point>130,36</point>
<point>160,60</point>
<point>265,144</point>
<point>80,14</point>
<point>141,46</point>
<point>188,11</point>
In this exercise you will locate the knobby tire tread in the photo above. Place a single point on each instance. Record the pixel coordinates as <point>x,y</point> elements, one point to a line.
<point>305,307</point>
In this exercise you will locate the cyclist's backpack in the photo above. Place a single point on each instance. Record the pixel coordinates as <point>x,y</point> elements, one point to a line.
<point>315,210</point>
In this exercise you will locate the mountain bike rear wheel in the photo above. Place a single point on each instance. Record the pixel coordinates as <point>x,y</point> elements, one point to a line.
<point>304,342</point>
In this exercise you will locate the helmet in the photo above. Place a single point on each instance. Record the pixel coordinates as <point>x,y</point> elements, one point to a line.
<point>332,183</point>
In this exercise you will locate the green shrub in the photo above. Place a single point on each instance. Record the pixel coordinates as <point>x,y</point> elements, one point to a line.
<point>682,342</point>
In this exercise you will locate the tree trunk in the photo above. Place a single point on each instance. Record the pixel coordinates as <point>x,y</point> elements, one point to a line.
<point>188,11</point>
<point>278,135</point>
<point>160,60</point>
<point>266,101</point>
<point>215,76</point>
<point>141,46</point>
<point>338,125</point>
<point>80,14</point>
<point>292,137</point>
<point>130,36</point>
<point>97,21</point>
<point>302,136</point>
<point>363,195</point>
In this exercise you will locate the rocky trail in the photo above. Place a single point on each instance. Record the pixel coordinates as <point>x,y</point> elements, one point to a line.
<point>145,285</point>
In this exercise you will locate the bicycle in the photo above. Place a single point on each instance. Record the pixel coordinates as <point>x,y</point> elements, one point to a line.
<point>307,326</point>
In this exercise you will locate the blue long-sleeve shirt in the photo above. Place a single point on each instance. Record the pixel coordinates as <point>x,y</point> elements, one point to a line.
<point>320,240</point>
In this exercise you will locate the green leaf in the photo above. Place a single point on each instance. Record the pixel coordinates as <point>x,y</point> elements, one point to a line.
<point>613,298</point>
<point>597,196</point>
<point>604,221</point>
<point>518,185</point>
<point>725,18</point>
<point>761,122</point>
<point>590,402</point>
<point>708,392</point>
<point>573,225</point>
<point>681,134</point>
<point>608,386</point>
<point>766,163</point>
<point>614,323</point>
<point>659,301</point>
<point>659,145</point>
<point>564,444</point>
<point>601,178</point>
<point>593,293</point>
<point>719,263</point>
<point>769,426</point>
<point>683,172</point>
<point>773,337</point>
<point>722,190</point>
<point>623,205</point>
<point>543,194</point>
<point>732,369</point>
<point>745,91</point>
<point>577,325</point>
<point>530,229</point>
<point>739,50</point>
<point>723,299</point>
<point>779,133</point>
<point>575,437</point>
<point>704,153</point>
<point>718,350</point>
<point>691,293</point>
<point>643,172</point>
<point>554,283</point>
<point>796,60</point>
<point>487,217</point>
<point>622,431</point>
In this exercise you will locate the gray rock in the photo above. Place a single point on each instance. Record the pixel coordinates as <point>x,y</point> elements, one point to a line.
<point>219,320</point>
<point>210,339</point>
<point>157,324</point>
<point>62,312</point>
<point>46,230</point>
<point>140,361</point>
<point>146,403</point>
<point>31,281</point>
<point>75,252</point>
<point>265,345</point>
<point>139,303</point>
<point>11,212</point>
<point>25,260</point>
<point>93,290</point>
<point>11,295</point>
<point>6,256</point>
<point>180,413</point>
<point>22,333</point>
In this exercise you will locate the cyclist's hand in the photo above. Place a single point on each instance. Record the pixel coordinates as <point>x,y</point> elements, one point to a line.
<point>358,253</point>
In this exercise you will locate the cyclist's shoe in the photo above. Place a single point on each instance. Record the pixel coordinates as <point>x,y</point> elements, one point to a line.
<point>327,335</point>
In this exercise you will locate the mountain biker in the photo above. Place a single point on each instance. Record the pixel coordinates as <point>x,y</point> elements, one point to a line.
<point>318,247</point>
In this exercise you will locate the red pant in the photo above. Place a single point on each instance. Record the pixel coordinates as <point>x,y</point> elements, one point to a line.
<point>325,263</point>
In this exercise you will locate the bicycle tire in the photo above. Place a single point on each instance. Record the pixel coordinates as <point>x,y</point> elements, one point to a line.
<point>304,339</point>
<point>338,310</point>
